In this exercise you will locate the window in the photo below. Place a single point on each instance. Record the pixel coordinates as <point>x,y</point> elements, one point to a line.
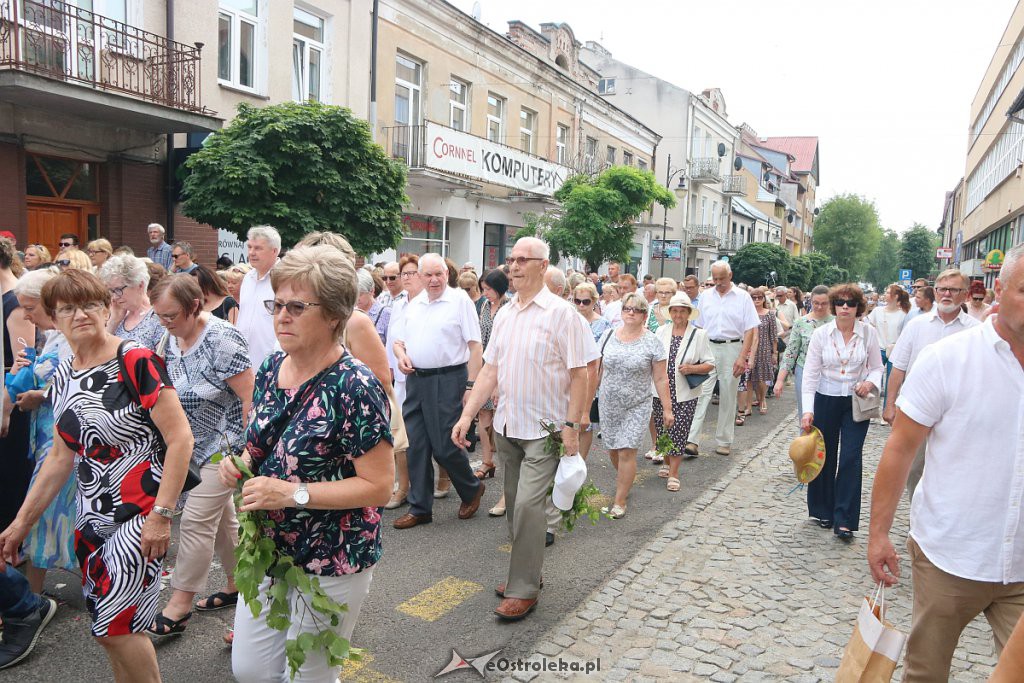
<point>703,210</point>
<point>562,144</point>
<point>527,127</point>
<point>458,98</point>
<point>707,145</point>
<point>590,156</point>
<point>610,156</point>
<point>641,164</point>
<point>307,56</point>
<point>714,214</point>
<point>698,140</point>
<point>495,118</point>
<point>627,158</point>
<point>606,86</point>
<point>423,234</point>
<point>408,81</point>
<point>237,27</point>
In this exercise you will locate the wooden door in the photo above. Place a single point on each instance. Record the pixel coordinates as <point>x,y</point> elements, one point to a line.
<point>47,222</point>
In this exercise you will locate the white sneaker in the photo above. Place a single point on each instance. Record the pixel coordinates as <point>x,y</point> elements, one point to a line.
<point>649,455</point>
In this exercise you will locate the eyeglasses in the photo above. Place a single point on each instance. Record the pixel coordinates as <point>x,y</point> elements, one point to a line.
<point>521,260</point>
<point>583,302</point>
<point>295,308</point>
<point>757,298</point>
<point>176,256</point>
<point>408,274</point>
<point>68,310</point>
<point>390,278</point>
<point>63,263</point>
<point>949,290</point>
<point>67,244</point>
<point>117,292</point>
<point>168,317</point>
<point>917,286</point>
<point>664,293</point>
<point>633,309</point>
<point>849,303</point>
<point>978,298</point>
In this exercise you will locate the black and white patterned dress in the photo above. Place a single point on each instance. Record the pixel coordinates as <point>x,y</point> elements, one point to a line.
<point>119,472</point>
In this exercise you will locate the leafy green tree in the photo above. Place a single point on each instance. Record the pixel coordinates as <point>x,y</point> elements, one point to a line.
<point>300,168</point>
<point>884,269</point>
<point>917,250</point>
<point>820,264</point>
<point>755,260</point>
<point>800,272</point>
<point>834,275</point>
<point>847,231</point>
<point>595,220</point>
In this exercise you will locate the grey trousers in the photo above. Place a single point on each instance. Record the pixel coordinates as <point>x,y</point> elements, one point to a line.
<point>432,407</point>
<point>529,472</point>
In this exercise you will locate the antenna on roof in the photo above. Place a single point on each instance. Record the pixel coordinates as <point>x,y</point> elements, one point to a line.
<point>476,11</point>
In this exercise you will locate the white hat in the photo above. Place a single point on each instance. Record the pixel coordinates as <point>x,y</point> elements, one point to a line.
<point>571,473</point>
<point>679,299</point>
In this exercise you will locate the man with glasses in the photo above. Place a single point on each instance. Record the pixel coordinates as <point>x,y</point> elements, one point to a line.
<point>691,285</point>
<point>159,251</point>
<point>437,346</point>
<point>392,284</point>
<point>254,321</point>
<point>946,318</point>
<point>181,254</point>
<point>67,241</point>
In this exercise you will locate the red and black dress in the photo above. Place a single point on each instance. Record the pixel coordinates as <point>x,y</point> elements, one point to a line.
<point>119,471</point>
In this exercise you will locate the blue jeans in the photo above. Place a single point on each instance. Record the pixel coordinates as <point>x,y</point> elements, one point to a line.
<point>16,599</point>
<point>835,494</point>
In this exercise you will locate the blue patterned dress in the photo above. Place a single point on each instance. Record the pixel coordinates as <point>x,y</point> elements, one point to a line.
<point>334,422</point>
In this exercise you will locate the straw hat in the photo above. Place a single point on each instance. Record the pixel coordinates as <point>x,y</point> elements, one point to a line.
<point>808,455</point>
<point>680,299</point>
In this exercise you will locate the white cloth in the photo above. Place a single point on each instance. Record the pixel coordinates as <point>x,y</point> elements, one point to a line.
<point>823,367</point>
<point>437,333</point>
<point>923,330</point>
<point>966,512</point>
<point>727,316</point>
<point>254,322</point>
<point>699,352</point>
<point>888,324</point>
<point>385,299</point>
<point>789,313</point>
<point>613,313</point>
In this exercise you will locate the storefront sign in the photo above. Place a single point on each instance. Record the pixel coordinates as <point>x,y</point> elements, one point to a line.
<point>993,260</point>
<point>670,250</point>
<point>944,253</point>
<point>457,152</point>
<point>229,245</point>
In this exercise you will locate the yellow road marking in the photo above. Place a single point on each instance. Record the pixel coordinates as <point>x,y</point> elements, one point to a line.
<point>507,548</point>
<point>439,599</point>
<point>360,672</point>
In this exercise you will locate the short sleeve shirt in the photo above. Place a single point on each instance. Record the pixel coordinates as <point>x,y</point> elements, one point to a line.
<point>147,333</point>
<point>627,373</point>
<point>332,423</point>
<point>200,377</point>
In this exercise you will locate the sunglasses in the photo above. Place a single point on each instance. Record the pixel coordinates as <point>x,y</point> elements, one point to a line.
<point>295,308</point>
<point>67,244</point>
<point>176,256</point>
<point>633,309</point>
<point>757,298</point>
<point>63,263</point>
<point>390,278</point>
<point>978,298</point>
<point>583,302</point>
<point>849,303</point>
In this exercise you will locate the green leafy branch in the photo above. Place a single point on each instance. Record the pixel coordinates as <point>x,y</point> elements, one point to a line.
<point>582,508</point>
<point>664,445</point>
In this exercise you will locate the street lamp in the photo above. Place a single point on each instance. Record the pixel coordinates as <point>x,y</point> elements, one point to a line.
<point>680,190</point>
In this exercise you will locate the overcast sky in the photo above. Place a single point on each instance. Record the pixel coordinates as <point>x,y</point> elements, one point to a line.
<point>886,85</point>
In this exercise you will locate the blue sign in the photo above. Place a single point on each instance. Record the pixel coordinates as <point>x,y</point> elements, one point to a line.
<point>906,274</point>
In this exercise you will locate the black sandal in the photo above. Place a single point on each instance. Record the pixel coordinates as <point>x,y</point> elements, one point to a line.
<point>218,600</point>
<point>163,627</point>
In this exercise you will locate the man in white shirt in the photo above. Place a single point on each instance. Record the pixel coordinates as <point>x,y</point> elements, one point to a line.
<point>728,315</point>
<point>626,285</point>
<point>392,284</point>
<point>786,311</point>
<point>945,318</point>
<point>255,322</point>
<point>965,401</point>
<point>437,345</point>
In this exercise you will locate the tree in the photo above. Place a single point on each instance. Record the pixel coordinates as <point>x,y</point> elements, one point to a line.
<point>847,231</point>
<point>917,250</point>
<point>884,268</point>
<point>754,262</point>
<point>820,264</point>
<point>595,220</point>
<point>300,168</point>
<point>800,272</point>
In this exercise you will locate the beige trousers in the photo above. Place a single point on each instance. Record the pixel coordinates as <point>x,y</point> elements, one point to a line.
<point>208,525</point>
<point>943,606</point>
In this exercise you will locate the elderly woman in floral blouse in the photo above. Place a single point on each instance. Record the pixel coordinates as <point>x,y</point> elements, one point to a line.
<point>320,446</point>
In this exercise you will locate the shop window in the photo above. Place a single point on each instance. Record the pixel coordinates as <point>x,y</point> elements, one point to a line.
<point>423,235</point>
<point>498,241</point>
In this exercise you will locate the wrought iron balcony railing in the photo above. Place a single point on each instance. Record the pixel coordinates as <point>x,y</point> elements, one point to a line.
<point>406,143</point>
<point>704,235</point>
<point>732,243</point>
<point>705,170</point>
<point>55,39</point>
<point>734,185</point>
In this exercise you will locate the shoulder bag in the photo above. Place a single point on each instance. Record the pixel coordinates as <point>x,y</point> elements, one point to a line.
<point>871,405</point>
<point>595,409</point>
<point>694,380</point>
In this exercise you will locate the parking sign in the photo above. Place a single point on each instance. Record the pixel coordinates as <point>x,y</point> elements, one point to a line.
<point>905,274</point>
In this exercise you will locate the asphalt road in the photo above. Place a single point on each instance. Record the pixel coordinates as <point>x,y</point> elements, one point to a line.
<point>458,562</point>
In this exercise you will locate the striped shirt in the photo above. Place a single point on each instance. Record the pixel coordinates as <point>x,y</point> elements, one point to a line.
<point>533,348</point>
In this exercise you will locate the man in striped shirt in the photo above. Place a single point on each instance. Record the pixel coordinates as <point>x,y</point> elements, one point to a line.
<point>537,360</point>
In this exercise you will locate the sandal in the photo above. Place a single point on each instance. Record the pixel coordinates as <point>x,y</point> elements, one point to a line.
<point>658,458</point>
<point>740,419</point>
<point>218,600</point>
<point>485,471</point>
<point>163,627</point>
<point>615,511</point>
<point>664,472</point>
<point>691,450</point>
<point>673,484</point>
<point>764,409</point>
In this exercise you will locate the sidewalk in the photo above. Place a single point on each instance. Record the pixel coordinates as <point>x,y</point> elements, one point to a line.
<point>743,587</point>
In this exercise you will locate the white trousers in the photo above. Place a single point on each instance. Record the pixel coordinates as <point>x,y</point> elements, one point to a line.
<point>257,654</point>
<point>725,357</point>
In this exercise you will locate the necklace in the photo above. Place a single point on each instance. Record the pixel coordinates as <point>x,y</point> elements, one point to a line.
<point>843,362</point>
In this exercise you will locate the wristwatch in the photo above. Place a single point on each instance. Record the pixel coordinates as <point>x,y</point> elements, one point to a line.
<point>572,425</point>
<point>163,512</point>
<point>301,496</point>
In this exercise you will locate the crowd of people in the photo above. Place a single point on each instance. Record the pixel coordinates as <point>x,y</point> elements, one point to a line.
<point>347,389</point>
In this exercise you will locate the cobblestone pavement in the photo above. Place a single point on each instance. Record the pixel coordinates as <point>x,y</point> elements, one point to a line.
<point>743,587</point>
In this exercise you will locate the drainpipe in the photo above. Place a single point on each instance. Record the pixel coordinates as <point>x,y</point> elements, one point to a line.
<point>169,162</point>
<point>373,69</point>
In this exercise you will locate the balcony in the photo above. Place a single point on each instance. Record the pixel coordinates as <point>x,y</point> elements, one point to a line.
<point>734,185</point>
<point>705,170</point>
<point>732,243</point>
<point>62,58</point>
<point>703,236</point>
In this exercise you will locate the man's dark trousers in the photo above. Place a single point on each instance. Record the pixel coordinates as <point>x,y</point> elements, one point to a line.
<point>433,404</point>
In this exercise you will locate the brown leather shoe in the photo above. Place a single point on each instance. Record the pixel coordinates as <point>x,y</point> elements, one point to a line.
<point>499,590</point>
<point>409,520</point>
<point>467,510</point>
<point>514,609</point>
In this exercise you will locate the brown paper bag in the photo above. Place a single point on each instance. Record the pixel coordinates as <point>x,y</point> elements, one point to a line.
<point>874,649</point>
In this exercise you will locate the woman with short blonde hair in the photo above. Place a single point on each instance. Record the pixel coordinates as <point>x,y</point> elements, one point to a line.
<point>99,251</point>
<point>37,256</point>
<point>74,259</point>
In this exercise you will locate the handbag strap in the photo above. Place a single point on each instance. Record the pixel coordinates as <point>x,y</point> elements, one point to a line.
<point>693,333</point>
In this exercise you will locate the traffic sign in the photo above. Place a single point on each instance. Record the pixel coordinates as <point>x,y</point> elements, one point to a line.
<point>944,253</point>
<point>906,274</point>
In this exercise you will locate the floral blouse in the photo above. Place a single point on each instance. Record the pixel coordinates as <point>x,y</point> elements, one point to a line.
<point>345,415</point>
<point>800,340</point>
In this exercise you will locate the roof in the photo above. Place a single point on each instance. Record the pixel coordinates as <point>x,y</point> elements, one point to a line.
<point>803,149</point>
<point>748,210</point>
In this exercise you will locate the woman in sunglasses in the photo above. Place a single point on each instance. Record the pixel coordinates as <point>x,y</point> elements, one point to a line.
<point>585,298</point>
<point>131,314</point>
<point>976,306</point>
<point>493,287</point>
<point>74,259</point>
<point>843,359</point>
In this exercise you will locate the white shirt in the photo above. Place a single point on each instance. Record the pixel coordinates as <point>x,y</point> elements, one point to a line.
<point>789,313</point>
<point>923,330</point>
<point>254,322</point>
<point>613,313</point>
<point>824,367</point>
<point>728,316</point>
<point>386,299</point>
<point>437,333</point>
<point>966,512</point>
<point>888,324</point>
<point>397,311</point>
